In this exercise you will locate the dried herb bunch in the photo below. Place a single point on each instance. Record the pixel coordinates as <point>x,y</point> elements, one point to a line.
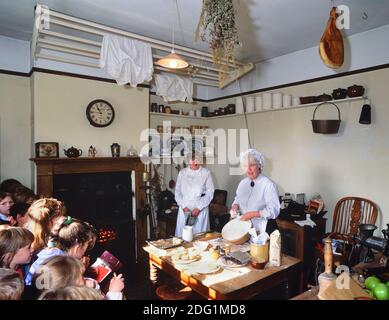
<point>217,25</point>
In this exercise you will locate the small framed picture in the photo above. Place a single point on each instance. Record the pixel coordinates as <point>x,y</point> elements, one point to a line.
<point>46,150</point>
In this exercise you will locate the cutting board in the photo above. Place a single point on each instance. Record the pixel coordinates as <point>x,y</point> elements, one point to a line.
<point>333,293</point>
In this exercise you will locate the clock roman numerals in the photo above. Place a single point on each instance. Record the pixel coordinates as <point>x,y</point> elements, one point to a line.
<point>100,113</point>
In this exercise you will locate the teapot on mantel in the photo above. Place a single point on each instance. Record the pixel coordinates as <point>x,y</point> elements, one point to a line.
<point>72,152</point>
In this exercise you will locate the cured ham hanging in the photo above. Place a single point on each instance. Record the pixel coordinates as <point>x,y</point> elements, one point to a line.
<point>331,47</point>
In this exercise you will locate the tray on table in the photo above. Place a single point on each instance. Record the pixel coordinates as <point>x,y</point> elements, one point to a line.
<point>164,244</point>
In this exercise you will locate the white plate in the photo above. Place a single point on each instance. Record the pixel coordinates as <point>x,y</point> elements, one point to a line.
<point>185,261</point>
<point>221,262</point>
<point>204,267</point>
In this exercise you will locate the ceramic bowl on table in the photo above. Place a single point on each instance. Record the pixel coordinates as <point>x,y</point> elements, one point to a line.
<point>200,246</point>
<point>236,231</point>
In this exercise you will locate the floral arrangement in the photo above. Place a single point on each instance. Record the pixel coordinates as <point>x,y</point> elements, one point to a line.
<point>217,27</point>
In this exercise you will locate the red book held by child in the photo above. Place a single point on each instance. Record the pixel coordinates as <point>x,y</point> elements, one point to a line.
<point>104,265</point>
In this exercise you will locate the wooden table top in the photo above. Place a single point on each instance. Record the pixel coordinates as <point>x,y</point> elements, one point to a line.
<point>310,294</point>
<point>227,283</point>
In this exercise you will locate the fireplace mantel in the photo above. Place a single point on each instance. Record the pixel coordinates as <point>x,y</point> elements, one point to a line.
<point>47,168</point>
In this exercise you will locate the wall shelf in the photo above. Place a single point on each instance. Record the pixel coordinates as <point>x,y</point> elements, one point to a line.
<point>176,115</point>
<point>249,113</point>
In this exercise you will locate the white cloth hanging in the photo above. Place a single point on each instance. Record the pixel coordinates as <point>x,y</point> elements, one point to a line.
<point>172,87</point>
<point>194,189</point>
<point>126,60</point>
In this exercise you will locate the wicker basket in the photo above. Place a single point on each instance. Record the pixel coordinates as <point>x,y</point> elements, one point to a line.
<point>326,126</point>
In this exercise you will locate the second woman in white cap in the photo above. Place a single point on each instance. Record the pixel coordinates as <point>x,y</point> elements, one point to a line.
<point>256,196</point>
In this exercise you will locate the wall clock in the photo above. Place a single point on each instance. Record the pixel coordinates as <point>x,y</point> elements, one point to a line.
<point>100,113</point>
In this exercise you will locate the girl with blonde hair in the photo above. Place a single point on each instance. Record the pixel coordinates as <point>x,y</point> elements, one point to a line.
<point>72,293</point>
<point>64,271</point>
<point>59,272</point>
<point>15,248</point>
<point>11,285</point>
<point>69,236</point>
<point>42,215</point>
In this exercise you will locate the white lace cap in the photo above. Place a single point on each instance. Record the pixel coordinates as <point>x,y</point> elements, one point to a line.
<point>250,156</point>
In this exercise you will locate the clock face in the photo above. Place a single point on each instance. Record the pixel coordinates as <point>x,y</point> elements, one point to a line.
<point>100,113</point>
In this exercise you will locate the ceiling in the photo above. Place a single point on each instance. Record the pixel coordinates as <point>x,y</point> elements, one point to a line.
<point>267,28</point>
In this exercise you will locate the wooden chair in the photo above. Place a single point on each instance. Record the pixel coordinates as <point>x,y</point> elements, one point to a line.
<point>218,210</point>
<point>349,213</point>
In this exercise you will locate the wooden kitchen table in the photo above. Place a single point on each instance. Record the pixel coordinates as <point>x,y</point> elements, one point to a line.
<point>232,283</point>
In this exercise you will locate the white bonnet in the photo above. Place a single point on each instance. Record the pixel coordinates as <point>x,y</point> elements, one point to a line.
<point>195,156</point>
<point>250,155</point>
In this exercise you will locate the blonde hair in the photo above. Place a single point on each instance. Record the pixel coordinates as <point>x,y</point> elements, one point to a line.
<point>59,272</point>
<point>69,232</point>
<point>11,240</point>
<point>41,214</point>
<point>72,293</point>
<point>11,285</point>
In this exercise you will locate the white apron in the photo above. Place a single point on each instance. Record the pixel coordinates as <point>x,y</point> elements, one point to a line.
<point>190,186</point>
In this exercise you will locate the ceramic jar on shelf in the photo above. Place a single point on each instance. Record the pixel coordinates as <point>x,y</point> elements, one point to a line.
<point>258,103</point>
<point>295,101</point>
<point>250,104</point>
<point>277,100</point>
<point>267,101</point>
<point>239,105</point>
<point>286,101</point>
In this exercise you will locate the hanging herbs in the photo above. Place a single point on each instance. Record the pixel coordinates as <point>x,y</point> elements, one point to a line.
<point>217,27</point>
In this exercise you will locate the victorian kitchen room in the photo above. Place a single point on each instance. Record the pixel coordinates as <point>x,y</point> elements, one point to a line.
<point>194,150</point>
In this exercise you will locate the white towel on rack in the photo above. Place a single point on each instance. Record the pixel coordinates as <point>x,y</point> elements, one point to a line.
<point>126,60</point>
<point>172,87</point>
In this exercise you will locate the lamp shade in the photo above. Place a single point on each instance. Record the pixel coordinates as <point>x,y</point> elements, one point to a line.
<point>172,61</point>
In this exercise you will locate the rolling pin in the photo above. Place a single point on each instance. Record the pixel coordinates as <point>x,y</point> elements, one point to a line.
<point>327,276</point>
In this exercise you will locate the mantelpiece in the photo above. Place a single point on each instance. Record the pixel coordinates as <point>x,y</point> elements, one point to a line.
<point>47,168</point>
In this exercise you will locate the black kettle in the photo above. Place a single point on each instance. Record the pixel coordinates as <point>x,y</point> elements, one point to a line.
<point>72,152</point>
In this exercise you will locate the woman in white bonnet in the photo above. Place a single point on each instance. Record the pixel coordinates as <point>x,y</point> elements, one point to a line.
<point>256,195</point>
<point>194,192</point>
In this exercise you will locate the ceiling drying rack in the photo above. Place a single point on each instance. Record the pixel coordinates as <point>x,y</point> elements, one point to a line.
<point>80,49</point>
